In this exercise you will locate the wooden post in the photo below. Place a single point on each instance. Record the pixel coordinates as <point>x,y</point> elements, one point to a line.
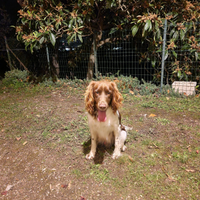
<point>8,53</point>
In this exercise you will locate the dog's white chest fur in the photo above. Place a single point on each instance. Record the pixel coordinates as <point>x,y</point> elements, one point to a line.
<point>104,130</point>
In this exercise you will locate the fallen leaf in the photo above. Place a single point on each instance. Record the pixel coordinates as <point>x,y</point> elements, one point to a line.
<point>131,92</point>
<point>64,186</point>
<point>18,138</point>
<point>155,146</point>
<point>167,98</point>
<point>69,185</point>
<point>190,170</point>
<point>130,158</point>
<point>79,111</point>
<point>171,179</point>
<point>4,193</point>
<point>152,115</point>
<point>25,143</point>
<point>9,187</point>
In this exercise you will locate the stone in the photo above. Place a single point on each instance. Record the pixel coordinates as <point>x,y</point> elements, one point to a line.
<point>184,87</point>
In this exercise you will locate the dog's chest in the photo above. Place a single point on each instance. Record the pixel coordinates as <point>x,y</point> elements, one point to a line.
<point>104,127</point>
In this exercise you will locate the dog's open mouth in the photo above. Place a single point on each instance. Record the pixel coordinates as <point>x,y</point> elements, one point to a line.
<point>101,116</point>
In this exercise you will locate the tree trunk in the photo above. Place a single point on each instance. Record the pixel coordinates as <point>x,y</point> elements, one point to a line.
<point>91,62</point>
<point>56,64</point>
<point>93,56</point>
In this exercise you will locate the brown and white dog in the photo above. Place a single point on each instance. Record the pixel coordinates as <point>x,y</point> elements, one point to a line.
<point>102,101</point>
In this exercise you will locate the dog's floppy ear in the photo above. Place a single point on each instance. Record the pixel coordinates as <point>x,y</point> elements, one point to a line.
<point>89,98</point>
<point>117,98</point>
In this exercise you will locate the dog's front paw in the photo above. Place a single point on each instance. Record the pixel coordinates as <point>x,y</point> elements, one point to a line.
<point>90,156</point>
<point>116,155</point>
<point>124,148</point>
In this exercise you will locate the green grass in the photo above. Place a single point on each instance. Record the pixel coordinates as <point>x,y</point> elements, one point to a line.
<point>161,160</point>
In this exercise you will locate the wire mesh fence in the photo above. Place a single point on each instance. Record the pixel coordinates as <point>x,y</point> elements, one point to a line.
<point>121,54</point>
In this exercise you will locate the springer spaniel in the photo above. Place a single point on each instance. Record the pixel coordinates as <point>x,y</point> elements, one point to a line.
<point>102,101</point>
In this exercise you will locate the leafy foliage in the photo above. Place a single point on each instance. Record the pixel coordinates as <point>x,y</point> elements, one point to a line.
<point>16,78</point>
<point>182,17</point>
<point>44,21</point>
<point>41,22</point>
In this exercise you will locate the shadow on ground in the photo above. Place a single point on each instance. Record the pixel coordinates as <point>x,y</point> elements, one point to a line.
<point>100,153</point>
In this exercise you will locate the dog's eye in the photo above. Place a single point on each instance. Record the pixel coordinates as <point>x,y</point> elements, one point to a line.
<point>96,92</point>
<point>108,92</point>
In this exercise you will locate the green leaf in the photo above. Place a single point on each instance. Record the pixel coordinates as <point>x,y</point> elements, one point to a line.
<point>182,34</point>
<point>134,30</point>
<point>175,36</point>
<point>166,54</point>
<point>80,38</point>
<point>150,27</point>
<point>41,40</point>
<point>52,39</point>
<point>71,38</point>
<point>31,48</point>
<point>158,34</point>
<point>156,25</point>
<point>153,62</point>
<point>113,30</point>
<point>159,50</point>
<point>175,54</point>
<point>179,74</point>
<point>172,32</point>
<point>147,25</point>
<point>196,56</point>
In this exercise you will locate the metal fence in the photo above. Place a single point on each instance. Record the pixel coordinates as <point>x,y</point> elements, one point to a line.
<point>122,55</point>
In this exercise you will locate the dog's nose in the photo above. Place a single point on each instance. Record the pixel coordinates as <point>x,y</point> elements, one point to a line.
<point>102,106</point>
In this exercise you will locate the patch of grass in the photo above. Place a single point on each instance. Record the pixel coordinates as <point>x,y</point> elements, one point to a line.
<point>99,173</point>
<point>150,104</point>
<point>161,160</point>
<point>77,173</point>
<point>46,134</point>
<point>162,121</point>
<point>182,157</point>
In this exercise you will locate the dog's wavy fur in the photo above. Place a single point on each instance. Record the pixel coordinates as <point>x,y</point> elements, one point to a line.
<point>115,104</point>
<point>104,93</point>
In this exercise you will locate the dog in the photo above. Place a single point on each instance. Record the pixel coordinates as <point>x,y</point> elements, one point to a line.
<point>102,101</point>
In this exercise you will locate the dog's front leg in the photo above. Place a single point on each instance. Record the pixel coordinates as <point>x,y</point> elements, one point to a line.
<point>117,151</point>
<point>93,147</point>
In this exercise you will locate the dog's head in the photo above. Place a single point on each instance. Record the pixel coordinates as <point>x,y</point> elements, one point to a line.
<point>100,95</point>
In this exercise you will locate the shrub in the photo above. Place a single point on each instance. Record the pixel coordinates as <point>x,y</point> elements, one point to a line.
<point>15,78</point>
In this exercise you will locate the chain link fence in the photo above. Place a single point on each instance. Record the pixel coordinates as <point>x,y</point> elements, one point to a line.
<point>118,54</point>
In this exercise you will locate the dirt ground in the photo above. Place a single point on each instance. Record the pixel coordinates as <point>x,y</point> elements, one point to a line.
<point>44,138</point>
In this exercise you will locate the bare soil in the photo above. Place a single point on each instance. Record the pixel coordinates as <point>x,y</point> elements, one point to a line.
<point>44,138</point>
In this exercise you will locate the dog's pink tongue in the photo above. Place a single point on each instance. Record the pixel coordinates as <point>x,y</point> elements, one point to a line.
<point>101,116</point>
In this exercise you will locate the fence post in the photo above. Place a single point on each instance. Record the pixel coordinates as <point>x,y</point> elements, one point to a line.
<point>8,53</point>
<point>163,54</point>
<point>95,55</point>
<point>48,60</point>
